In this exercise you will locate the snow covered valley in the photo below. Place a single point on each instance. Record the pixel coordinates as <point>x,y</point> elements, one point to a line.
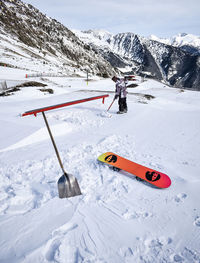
<point>117,218</point>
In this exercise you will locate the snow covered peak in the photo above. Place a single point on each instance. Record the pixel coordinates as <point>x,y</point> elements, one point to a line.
<point>186,39</point>
<point>162,40</point>
<point>97,37</point>
<point>182,39</point>
<point>99,33</point>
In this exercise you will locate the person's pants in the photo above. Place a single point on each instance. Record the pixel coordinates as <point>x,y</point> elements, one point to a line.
<point>122,104</point>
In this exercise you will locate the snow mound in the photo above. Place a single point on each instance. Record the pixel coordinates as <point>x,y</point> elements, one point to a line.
<point>117,218</point>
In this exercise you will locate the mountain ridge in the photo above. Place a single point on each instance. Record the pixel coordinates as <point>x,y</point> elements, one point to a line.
<point>173,65</point>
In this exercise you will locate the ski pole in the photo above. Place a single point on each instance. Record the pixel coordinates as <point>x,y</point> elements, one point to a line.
<point>111,104</point>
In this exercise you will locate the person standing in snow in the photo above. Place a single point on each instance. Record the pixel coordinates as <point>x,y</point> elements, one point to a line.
<point>120,92</point>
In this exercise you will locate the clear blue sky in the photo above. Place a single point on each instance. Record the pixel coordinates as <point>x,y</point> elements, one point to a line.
<point>144,17</point>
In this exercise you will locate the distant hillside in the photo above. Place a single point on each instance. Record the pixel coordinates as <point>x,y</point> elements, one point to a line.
<point>37,36</point>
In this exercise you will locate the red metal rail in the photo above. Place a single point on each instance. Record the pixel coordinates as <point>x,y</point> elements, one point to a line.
<point>35,111</point>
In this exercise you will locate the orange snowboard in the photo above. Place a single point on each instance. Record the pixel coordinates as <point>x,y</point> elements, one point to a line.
<point>152,176</point>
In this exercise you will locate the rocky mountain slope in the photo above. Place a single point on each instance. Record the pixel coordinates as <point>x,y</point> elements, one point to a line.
<point>174,65</point>
<point>37,36</point>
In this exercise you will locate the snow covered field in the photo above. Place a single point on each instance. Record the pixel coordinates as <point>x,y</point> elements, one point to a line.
<point>117,218</point>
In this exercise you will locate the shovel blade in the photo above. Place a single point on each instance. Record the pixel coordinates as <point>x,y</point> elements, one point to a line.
<point>68,186</point>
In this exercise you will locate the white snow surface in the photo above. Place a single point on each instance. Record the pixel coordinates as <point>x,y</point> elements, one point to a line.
<point>117,218</point>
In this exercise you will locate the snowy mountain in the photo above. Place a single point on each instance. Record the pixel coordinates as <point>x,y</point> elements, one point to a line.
<point>27,33</point>
<point>173,64</point>
<point>187,42</point>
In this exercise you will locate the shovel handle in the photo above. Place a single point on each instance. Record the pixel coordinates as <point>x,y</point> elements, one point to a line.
<point>54,144</point>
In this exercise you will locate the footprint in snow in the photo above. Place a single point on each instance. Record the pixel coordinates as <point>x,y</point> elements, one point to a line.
<point>180,197</point>
<point>126,252</point>
<point>178,258</point>
<point>136,215</point>
<point>52,249</point>
<point>197,221</point>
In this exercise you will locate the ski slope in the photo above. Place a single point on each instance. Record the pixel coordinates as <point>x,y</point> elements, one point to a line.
<point>117,218</point>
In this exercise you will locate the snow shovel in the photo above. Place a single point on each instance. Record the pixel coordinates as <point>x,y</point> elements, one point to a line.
<point>67,184</point>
